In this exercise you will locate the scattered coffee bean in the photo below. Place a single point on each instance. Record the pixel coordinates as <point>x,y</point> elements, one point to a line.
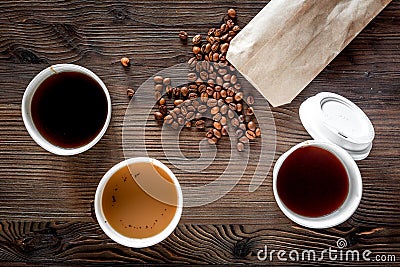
<point>251,125</point>
<point>130,92</point>
<point>125,62</point>
<point>158,115</point>
<point>250,135</point>
<point>212,89</point>
<point>240,146</point>
<point>183,35</point>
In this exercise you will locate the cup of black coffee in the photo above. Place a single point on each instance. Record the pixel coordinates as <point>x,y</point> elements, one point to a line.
<point>66,109</point>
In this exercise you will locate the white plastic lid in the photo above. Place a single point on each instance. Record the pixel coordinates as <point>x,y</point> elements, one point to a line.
<point>333,118</point>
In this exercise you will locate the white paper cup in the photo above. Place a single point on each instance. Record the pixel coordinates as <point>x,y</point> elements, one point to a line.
<point>27,101</point>
<point>115,235</point>
<point>351,202</point>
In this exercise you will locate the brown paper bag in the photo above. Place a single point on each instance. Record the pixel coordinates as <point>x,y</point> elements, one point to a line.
<point>289,42</point>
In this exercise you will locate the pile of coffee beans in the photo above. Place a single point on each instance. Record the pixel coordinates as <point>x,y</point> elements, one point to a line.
<point>213,97</point>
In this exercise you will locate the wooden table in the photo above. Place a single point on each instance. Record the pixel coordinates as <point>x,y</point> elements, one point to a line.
<point>46,201</point>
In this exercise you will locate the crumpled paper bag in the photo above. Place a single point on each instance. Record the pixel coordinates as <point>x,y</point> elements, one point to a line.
<point>289,42</point>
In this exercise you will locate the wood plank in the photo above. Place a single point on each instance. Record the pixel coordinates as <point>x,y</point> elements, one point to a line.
<point>63,243</point>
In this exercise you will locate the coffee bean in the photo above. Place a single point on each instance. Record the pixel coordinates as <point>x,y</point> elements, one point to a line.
<point>241,118</point>
<point>213,140</point>
<point>217,133</point>
<point>204,97</point>
<point>161,101</point>
<point>250,111</point>
<point>236,28</point>
<point>199,124</point>
<point>183,110</point>
<point>229,99</point>
<point>180,120</point>
<point>250,100</point>
<point>214,110</point>
<point>230,23</point>
<point>217,117</point>
<point>242,126</point>
<point>212,75</point>
<point>223,93</point>
<point>258,132</point>
<point>231,114</point>
<point>202,108</point>
<point>196,50</point>
<point>167,81</point>
<point>223,120</point>
<point>163,109</point>
<point>239,107</point>
<point>222,71</point>
<point>175,125</point>
<point>204,75</point>
<point>224,109</point>
<point>158,115</point>
<point>244,139</point>
<point>158,79</point>
<point>250,135</point>
<point>220,102</point>
<point>209,133</point>
<point>211,31</point>
<point>238,96</point>
<point>158,87</point>
<point>240,146</point>
<point>212,102</point>
<point>225,36</point>
<point>217,95</point>
<point>233,79</point>
<point>217,32</point>
<point>183,35</point>
<point>237,86</point>
<point>210,90</point>
<point>219,80</point>
<point>235,122</point>
<point>215,57</point>
<point>226,85</point>
<point>227,77</point>
<point>224,47</point>
<point>223,28</point>
<point>190,116</point>
<point>174,115</point>
<point>192,77</point>
<point>218,88</point>
<point>224,130</point>
<point>178,102</point>
<point>192,62</point>
<point>232,106</point>
<point>168,119</point>
<point>176,110</point>
<point>217,125</point>
<point>197,39</point>
<point>251,125</point>
<point>192,96</point>
<point>239,133</point>
<point>130,92</point>
<point>231,13</point>
<point>157,95</point>
<point>215,47</point>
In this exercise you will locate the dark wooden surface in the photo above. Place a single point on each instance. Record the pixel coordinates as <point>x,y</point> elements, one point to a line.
<point>46,212</point>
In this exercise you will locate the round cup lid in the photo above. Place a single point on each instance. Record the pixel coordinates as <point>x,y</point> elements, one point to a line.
<point>333,118</point>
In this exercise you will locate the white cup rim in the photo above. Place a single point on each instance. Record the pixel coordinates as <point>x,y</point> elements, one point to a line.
<point>26,109</point>
<point>136,242</point>
<point>346,210</point>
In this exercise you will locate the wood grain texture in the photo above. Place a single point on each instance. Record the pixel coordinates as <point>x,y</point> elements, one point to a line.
<point>84,243</point>
<point>46,200</point>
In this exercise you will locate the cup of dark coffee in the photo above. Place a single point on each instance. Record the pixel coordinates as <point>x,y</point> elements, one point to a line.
<point>66,109</point>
